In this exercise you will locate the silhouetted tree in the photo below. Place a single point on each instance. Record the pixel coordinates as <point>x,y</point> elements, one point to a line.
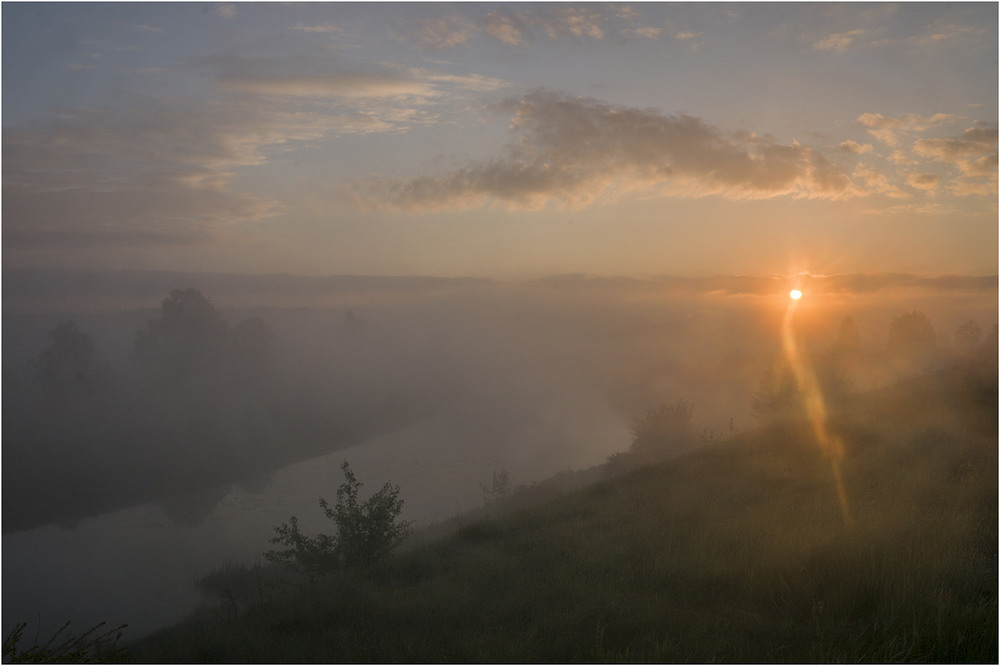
<point>834,369</point>
<point>251,349</point>
<point>985,358</point>
<point>967,339</point>
<point>777,392</point>
<point>912,340</point>
<point>848,338</point>
<point>66,364</point>
<point>366,531</point>
<point>353,328</point>
<point>497,493</point>
<point>186,341</point>
<point>666,430</point>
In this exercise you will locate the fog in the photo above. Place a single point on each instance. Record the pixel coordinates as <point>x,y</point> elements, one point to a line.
<point>157,425</point>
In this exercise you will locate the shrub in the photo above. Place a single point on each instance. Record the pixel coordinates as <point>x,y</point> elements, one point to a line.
<point>663,432</point>
<point>366,532</point>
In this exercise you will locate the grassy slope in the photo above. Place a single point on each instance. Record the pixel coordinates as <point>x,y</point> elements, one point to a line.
<point>735,553</point>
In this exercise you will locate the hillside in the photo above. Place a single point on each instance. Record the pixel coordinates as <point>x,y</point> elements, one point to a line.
<point>736,552</point>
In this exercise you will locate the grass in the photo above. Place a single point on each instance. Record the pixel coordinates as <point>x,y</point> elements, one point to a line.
<point>734,553</point>
<point>97,645</point>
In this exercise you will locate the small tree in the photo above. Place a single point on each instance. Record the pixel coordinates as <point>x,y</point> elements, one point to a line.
<point>663,432</point>
<point>366,532</point>
<point>66,364</point>
<point>495,495</point>
<point>848,338</point>
<point>912,340</point>
<point>311,555</point>
<point>967,338</point>
<point>777,392</point>
<point>187,341</point>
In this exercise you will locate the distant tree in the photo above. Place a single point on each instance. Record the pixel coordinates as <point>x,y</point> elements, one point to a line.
<point>912,340</point>
<point>188,340</point>
<point>834,369</point>
<point>66,364</point>
<point>986,355</point>
<point>353,328</point>
<point>251,348</point>
<point>497,493</point>
<point>967,339</point>
<point>664,431</point>
<point>777,392</point>
<point>848,338</point>
<point>366,531</point>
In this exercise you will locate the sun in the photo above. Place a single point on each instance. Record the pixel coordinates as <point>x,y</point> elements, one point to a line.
<point>795,294</point>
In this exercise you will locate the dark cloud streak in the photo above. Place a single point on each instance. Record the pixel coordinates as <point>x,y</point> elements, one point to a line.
<point>572,151</point>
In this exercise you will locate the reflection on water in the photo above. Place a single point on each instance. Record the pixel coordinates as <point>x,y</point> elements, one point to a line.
<point>137,566</point>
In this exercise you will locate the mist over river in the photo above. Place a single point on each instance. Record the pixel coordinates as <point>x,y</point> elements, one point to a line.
<point>137,566</point>
<point>145,447</point>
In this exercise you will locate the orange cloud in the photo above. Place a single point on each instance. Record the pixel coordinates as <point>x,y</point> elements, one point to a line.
<point>838,42</point>
<point>441,33</point>
<point>855,147</point>
<point>927,182</point>
<point>885,129</point>
<point>973,153</point>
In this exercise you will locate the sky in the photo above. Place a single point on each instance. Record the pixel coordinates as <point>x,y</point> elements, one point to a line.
<point>501,140</point>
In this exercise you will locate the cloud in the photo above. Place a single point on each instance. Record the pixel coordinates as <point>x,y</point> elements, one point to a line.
<point>771,285</point>
<point>687,35</point>
<point>942,33</point>
<point>927,182</point>
<point>967,150</point>
<point>149,28</point>
<point>973,153</point>
<point>838,42</point>
<point>875,182</point>
<point>322,28</point>
<point>927,208</point>
<point>345,85</point>
<point>476,82</point>
<point>649,33</point>
<point>867,283</point>
<point>583,21</point>
<point>155,215</point>
<point>572,151</point>
<point>441,33</point>
<point>154,173</point>
<point>855,147</point>
<point>161,170</point>
<point>317,81</point>
<point>886,129</point>
<point>226,10</point>
<point>508,28</point>
<point>578,21</point>
<point>900,158</point>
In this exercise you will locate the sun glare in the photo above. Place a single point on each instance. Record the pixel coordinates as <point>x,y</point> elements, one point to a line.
<point>795,294</point>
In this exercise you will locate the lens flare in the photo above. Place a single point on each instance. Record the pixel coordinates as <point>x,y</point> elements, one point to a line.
<point>815,405</point>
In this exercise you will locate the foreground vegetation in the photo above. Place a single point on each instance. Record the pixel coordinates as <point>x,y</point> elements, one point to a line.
<point>97,645</point>
<point>735,552</point>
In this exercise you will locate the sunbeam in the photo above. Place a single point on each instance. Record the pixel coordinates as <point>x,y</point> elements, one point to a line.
<point>815,405</point>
